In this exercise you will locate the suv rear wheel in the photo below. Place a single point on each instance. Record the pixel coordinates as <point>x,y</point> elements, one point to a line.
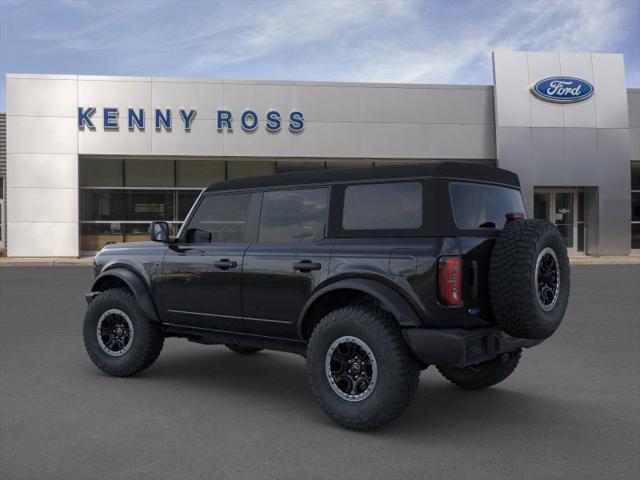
<point>360,369</point>
<point>483,375</point>
<point>118,337</point>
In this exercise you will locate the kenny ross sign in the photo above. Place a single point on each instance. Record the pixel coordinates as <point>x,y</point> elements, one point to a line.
<point>162,119</point>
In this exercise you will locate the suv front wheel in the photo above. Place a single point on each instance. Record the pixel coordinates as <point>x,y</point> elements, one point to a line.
<point>118,337</point>
<point>360,369</point>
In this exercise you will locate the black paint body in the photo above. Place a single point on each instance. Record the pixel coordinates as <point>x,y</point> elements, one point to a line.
<point>261,294</point>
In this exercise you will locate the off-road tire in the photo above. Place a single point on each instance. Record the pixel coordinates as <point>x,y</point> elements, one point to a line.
<point>512,279</point>
<point>483,375</point>
<point>147,335</point>
<point>398,370</point>
<point>241,349</point>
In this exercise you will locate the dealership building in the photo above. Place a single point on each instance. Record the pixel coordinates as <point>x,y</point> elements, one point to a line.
<point>92,159</point>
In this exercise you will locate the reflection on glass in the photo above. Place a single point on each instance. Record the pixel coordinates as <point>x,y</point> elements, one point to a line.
<point>220,219</point>
<point>483,206</point>
<point>199,173</point>
<point>541,206</point>
<point>250,169</point>
<point>94,236</point>
<point>149,173</point>
<point>102,172</point>
<point>635,176</point>
<point>150,205</point>
<point>564,216</point>
<point>381,206</point>
<point>293,215</point>
<point>635,235</point>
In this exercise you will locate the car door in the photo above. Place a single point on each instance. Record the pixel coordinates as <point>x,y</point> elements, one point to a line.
<point>289,260</point>
<point>202,271</point>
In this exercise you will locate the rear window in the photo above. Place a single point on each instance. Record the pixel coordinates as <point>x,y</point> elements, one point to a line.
<point>383,206</point>
<point>483,206</point>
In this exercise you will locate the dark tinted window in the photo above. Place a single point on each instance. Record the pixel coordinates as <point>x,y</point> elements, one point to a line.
<point>383,206</point>
<point>293,215</point>
<point>220,219</point>
<point>483,206</point>
<point>635,175</point>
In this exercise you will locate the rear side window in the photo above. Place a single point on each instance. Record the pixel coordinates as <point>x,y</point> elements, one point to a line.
<point>293,216</point>
<point>483,206</point>
<point>383,206</point>
<point>221,219</point>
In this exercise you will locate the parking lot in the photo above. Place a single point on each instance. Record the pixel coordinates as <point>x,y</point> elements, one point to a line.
<point>571,410</point>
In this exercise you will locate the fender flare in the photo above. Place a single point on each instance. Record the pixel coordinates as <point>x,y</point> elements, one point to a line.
<point>137,286</point>
<point>395,303</point>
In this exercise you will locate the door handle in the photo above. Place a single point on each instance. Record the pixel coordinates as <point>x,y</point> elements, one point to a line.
<point>306,266</point>
<point>225,264</point>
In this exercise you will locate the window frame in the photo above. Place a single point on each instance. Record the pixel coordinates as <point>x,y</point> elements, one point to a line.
<point>328,191</point>
<point>251,235</point>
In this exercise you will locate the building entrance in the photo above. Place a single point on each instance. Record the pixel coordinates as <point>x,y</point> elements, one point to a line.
<point>566,210</point>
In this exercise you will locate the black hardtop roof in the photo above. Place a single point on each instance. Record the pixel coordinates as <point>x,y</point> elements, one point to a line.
<point>454,170</point>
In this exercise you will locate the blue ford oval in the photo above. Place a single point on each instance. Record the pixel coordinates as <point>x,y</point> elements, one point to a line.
<point>562,89</point>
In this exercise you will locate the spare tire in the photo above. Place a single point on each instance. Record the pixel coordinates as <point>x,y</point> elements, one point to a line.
<point>529,278</point>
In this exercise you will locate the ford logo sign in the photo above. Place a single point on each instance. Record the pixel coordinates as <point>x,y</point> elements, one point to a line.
<point>562,89</point>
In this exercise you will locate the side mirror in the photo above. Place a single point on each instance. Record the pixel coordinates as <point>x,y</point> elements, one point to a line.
<point>159,232</point>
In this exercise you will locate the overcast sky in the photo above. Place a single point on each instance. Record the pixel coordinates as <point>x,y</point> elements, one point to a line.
<point>432,41</point>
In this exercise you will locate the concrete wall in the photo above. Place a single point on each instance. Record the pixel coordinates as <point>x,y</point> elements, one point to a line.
<point>342,120</point>
<point>42,166</point>
<point>583,144</point>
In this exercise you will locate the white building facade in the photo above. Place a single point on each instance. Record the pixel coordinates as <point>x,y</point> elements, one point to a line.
<point>92,159</point>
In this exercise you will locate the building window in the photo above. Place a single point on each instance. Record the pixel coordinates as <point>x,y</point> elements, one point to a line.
<point>120,197</point>
<point>635,205</point>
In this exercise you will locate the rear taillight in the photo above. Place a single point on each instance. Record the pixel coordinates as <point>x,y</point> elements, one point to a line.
<point>450,280</point>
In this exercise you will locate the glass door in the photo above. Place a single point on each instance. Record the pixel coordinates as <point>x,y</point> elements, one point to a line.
<point>560,207</point>
<point>564,213</point>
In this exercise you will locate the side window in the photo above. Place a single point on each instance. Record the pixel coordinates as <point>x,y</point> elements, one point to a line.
<point>221,219</point>
<point>293,215</point>
<point>383,206</point>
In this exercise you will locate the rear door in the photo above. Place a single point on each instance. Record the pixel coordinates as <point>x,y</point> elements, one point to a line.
<point>289,260</point>
<point>202,273</point>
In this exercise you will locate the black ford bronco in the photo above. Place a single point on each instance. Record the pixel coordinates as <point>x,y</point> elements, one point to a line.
<point>372,274</point>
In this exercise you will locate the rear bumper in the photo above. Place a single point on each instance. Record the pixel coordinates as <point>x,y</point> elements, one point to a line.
<point>458,347</point>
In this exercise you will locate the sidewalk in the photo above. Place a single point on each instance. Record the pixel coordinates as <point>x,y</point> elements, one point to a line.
<point>88,261</point>
<point>45,261</point>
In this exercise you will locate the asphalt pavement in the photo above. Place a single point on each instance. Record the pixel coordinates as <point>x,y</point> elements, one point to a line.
<point>570,411</point>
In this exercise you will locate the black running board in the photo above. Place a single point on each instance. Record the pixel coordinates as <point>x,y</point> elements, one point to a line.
<point>208,336</point>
